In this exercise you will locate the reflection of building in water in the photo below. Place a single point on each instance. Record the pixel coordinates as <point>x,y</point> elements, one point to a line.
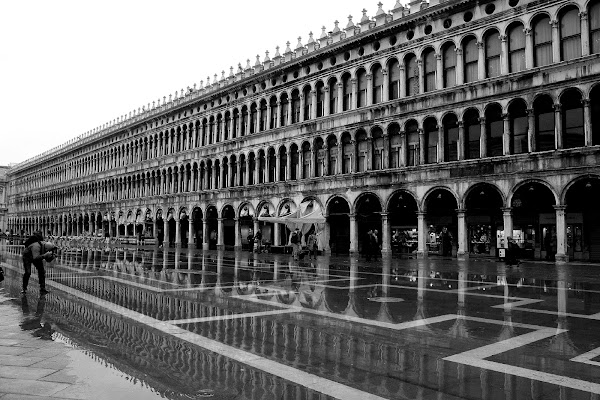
<point>409,120</point>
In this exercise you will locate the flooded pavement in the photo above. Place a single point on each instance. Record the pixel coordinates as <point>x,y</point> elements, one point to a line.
<point>182,324</point>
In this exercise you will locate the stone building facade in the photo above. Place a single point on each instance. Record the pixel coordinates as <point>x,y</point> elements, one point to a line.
<point>444,126</point>
<point>3,199</point>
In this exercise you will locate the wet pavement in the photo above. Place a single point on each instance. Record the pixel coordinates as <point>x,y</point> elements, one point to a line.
<point>181,324</point>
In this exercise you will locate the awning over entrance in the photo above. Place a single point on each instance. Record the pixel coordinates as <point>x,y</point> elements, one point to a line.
<point>308,213</point>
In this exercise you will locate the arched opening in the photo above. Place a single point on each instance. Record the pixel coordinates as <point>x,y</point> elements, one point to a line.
<point>570,34</point>
<point>492,53</point>
<point>402,216</point>
<point>212,226</point>
<point>184,226</point>
<point>442,222</point>
<point>542,40</point>
<point>543,108</point>
<point>338,219</point>
<point>377,150</point>
<point>472,133</point>
<point>572,119</point>
<point>172,226</point>
<point>430,130</point>
<point>450,123</point>
<point>534,220</point>
<point>485,224</point>
<point>519,127</point>
<point>595,109</point>
<point>228,227</point>
<point>198,226</point>
<point>377,82</point>
<point>583,219</point>
<point>494,130</point>
<point>412,75</point>
<point>368,217</point>
<point>246,226</point>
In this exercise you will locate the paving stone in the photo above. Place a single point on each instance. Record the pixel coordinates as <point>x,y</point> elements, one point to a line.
<point>13,350</point>
<point>13,371</point>
<point>19,360</point>
<point>31,387</point>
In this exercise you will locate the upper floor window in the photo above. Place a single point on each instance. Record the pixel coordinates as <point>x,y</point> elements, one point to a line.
<point>361,78</point>
<point>412,75</point>
<point>377,84</point>
<point>594,16</point>
<point>449,59</point>
<point>492,54</point>
<point>542,41</point>
<point>429,67</point>
<point>394,79</point>
<point>347,92</point>
<point>470,58</point>
<point>570,35</point>
<point>516,48</point>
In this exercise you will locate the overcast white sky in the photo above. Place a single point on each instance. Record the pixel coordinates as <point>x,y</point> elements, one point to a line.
<point>68,66</point>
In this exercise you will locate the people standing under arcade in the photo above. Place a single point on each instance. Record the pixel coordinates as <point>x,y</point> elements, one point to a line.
<point>446,242</point>
<point>366,245</point>
<point>375,247</point>
<point>258,241</point>
<point>311,244</point>
<point>250,240</point>
<point>296,239</point>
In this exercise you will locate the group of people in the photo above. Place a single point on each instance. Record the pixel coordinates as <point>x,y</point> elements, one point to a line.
<point>312,246</point>
<point>371,247</point>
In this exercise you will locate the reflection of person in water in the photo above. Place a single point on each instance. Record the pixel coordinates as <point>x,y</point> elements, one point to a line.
<point>34,323</point>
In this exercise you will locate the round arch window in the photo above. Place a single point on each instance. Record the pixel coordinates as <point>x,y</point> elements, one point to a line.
<point>410,35</point>
<point>468,16</point>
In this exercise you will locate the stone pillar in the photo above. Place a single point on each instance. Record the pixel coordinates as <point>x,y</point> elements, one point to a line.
<point>353,234</point>
<point>528,48</point>
<point>256,226</point>
<point>288,166</point>
<point>481,61</point>
<point>385,234</point>
<point>439,71</point>
<point>556,41</point>
<point>531,130</point>
<point>191,232</point>
<point>421,70</point>
<point>165,230</point>
<point>313,107</point>
<point>386,87</point>
<point>422,235</point>
<point>561,234</point>
<point>247,175</point>
<point>461,140</point>
<point>463,251</point>
<point>326,101</point>
<point>508,224</point>
<point>587,122</point>
<point>422,148</point>
<point>256,170</point>
<point>220,242</point>
<point>558,131</point>
<point>369,99</point>
<point>504,61</point>
<point>238,236</point>
<point>460,75</point>
<point>585,42</point>
<point>340,97</point>
<point>483,139</point>
<point>277,167</point>
<point>506,135</point>
<point>205,238</point>
<point>441,143</point>
<point>302,105</point>
<point>276,239</point>
<point>177,232</point>
<point>402,81</point>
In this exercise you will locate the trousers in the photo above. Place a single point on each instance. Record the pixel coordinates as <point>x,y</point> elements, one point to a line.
<point>41,275</point>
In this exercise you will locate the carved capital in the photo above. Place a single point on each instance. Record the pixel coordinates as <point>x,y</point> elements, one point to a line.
<point>583,15</point>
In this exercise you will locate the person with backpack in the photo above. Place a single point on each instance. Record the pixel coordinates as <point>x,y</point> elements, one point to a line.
<point>35,253</point>
<point>295,239</point>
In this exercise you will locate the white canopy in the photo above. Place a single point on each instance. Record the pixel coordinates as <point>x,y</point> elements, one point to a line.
<point>303,218</point>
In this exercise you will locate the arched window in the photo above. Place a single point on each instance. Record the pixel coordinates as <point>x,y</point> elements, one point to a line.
<point>519,126</point>
<point>272,163</point>
<point>572,119</point>
<point>412,75</point>
<point>394,79</point>
<point>570,35</point>
<point>472,133</point>
<point>284,105</point>
<point>253,118</point>
<point>332,155</point>
<point>333,99</point>
<point>431,140</point>
<point>377,84</point>
<point>412,141</point>
<point>542,41</point>
<point>320,98</point>
<point>347,92</point>
<point>543,109</point>
<point>294,153</point>
<point>306,160</point>
<point>595,110</point>
<point>295,106</point>
<point>492,54</point>
<point>306,92</point>
<point>470,60</point>
<point>377,140</point>
<point>244,121</point>
<point>395,145</point>
<point>450,123</point>
<point>234,123</point>
<point>348,153</point>
<point>273,113</point>
<point>449,54</point>
<point>320,155</point>
<point>429,70</point>
<point>362,145</point>
<point>361,81</point>
<point>516,48</point>
<point>594,16</point>
<point>494,130</point>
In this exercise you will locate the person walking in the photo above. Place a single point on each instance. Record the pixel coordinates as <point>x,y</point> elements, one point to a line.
<point>311,243</point>
<point>375,244</point>
<point>258,241</point>
<point>296,239</point>
<point>366,245</point>
<point>35,253</point>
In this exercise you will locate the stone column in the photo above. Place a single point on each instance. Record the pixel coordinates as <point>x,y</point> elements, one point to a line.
<point>441,143</point>
<point>256,226</point>
<point>385,153</point>
<point>403,149</point>
<point>191,232</point>
<point>247,175</point>
<point>290,110</point>
<point>558,131</point>
<point>369,99</point>
<point>528,48</point>
<point>385,234</point>
<point>340,97</point>
<point>508,224</point>
<point>421,70</point>
<point>353,235</point>
<point>165,230</point>
<point>439,71</point>
<point>506,135</point>
<point>531,130</point>
<point>326,101</point>
<point>288,172</point>
<point>369,154</point>
<point>276,234</point>
<point>504,61</point>
<point>561,234</point>
<point>422,148</point>
<point>402,81</point>
<point>587,122</point>
<point>312,162</point>
<point>205,238</point>
<point>461,140</point>
<point>460,75</point>
<point>238,236</point>
<point>463,251</point>
<point>556,42</point>
<point>585,42</point>
<point>422,235</point>
<point>483,139</point>
<point>220,242</point>
<point>278,167</point>
<point>177,232</point>
<point>481,61</point>
<point>302,105</point>
<point>386,87</point>
<point>354,99</point>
